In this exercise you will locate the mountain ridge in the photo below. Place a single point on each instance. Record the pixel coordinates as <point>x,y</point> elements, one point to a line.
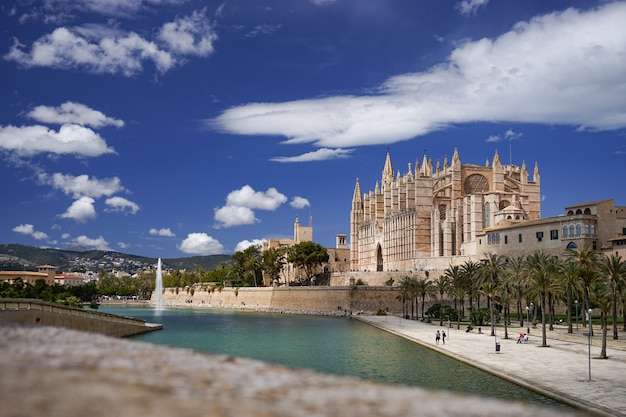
<point>23,257</point>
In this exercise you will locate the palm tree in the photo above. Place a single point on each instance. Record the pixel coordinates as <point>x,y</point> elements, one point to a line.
<point>570,279</point>
<point>614,271</point>
<point>514,273</point>
<point>442,286</point>
<point>471,270</point>
<point>458,282</point>
<point>423,288</point>
<point>492,268</point>
<point>588,261</point>
<point>541,271</point>
<point>601,295</point>
<point>404,296</point>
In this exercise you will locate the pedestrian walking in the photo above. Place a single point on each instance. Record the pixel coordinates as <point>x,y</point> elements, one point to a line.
<point>437,337</point>
<point>443,337</point>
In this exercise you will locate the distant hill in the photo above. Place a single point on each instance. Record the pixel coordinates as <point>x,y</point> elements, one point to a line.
<point>22,257</point>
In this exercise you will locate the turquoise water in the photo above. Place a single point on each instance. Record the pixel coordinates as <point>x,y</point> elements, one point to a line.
<point>333,345</point>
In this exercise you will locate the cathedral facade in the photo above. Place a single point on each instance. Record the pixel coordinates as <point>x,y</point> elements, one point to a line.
<point>433,216</point>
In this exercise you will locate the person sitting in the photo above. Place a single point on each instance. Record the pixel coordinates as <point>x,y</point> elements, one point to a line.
<point>521,337</point>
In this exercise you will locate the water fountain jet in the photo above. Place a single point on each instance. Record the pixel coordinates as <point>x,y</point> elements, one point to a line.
<point>160,305</point>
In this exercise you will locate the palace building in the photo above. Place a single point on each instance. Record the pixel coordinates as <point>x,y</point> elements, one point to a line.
<point>409,220</point>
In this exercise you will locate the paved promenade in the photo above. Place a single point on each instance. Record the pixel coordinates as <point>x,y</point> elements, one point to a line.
<point>560,371</point>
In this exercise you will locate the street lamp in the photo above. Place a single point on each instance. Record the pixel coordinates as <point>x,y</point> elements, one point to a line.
<point>589,354</point>
<point>527,321</point>
<point>576,304</point>
<point>532,307</point>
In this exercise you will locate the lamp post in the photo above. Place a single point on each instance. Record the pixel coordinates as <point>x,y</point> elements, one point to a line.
<point>576,304</point>
<point>527,320</point>
<point>532,307</point>
<point>589,354</point>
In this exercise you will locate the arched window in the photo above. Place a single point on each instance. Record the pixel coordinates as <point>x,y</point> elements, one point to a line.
<point>579,211</point>
<point>587,210</point>
<point>564,231</point>
<point>486,216</point>
<point>578,229</point>
<point>570,213</point>
<point>593,229</point>
<point>504,204</point>
<point>586,229</point>
<point>572,245</point>
<point>571,230</point>
<point>442,212</point>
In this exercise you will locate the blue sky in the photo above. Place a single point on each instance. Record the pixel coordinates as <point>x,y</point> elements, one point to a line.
<point>171,128</point>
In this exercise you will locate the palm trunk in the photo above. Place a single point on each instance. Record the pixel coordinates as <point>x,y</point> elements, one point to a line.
<point>493,324</point>
<point>544,337</point>
<point>615,335</point>
<point>570,329</point>
<point>604,332</point>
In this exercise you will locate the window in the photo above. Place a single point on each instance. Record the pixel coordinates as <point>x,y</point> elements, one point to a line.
<point>578,229</point>
<point>571,245</point>
<point>624,231</point>
<point>539,236</point>
<point>554,234</point>
<point>571,230</point>
<point>565,232</point>
<point>506,240</point>
<point>586,229</point>
<point>519,238</point>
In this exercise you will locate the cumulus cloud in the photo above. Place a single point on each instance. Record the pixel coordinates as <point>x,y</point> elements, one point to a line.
<point>560,68</point>
<point>99,51</point>
<point>189,35</point>
<point>200,244</point>
<point>508,135</point>
<point>73,113</point>
<point>161,232</point>
<point>470,6</point>
<point>299,202</point>
<point>120,204</point>
<point>241,203</point>
<point>29,229</point>
<point>322,2</point>
<point>264,29</point>
<point>98,243</point>
<point>81,210</point>
<point>70,139</point>
<point>82,185</point>
<point>245,244</point>
<point>322,154</point>
<point>121,8</point>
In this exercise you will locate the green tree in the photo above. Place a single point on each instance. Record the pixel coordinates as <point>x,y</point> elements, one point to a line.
<point>540,275</point>
<point>492,268</point>
<point>602,296</point>
<point>588,262</point>
<point>307,256</point>
<point>424,289</point>
<point>442,286</point>
<point>246,266</point>
<point>570,280</point>
<point>613,269</point>
<point>458,288</point>
<point>274,260</point>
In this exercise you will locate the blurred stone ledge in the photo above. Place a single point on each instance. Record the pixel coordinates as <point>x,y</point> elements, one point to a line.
<point>51,371</point>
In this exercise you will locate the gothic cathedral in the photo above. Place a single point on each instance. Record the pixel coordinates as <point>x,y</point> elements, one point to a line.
<point>431,216</point>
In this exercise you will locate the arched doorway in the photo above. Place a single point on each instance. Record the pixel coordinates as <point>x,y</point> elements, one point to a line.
<point>379,258</point>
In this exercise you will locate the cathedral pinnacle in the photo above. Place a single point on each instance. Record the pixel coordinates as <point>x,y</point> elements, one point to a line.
<point>356,198</point>
<point>387,170</point>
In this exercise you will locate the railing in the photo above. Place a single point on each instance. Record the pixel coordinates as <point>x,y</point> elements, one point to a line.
<point>16,304</point>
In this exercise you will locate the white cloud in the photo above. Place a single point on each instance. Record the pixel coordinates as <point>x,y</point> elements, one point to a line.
<point>189,35</point>
<point>123,245</point>
<point>63,49</point>
<point>470,6</point>
<point>122,8</point>
<point>81,210</point>
<point>200,244</point>
<point>162,232</point>
<point>70,139</point>
<point>82,185</point>
<point>322,2</point>
<point>322,154</point>
<point>120,204</point>
<point>102,50</point>
<point>98,243</point>
<point>74,113</point>
<point>245,244</point>
<point>228,216</point>
<point>241,203</point>
<point>561,68</point>
<point>264,29</point>
<point>299,202</point>
<point>246,196</point>
<point>29,229</point>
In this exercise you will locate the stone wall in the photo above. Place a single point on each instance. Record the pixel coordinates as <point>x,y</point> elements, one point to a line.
<point>42,313</point>
<point>358,298</point>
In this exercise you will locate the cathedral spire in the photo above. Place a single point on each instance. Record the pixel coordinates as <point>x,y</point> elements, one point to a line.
<point>356,197</point>
<point>456,159</point>
<point>497,165</point>
<point>524,174</point>
<point>387,170</point>
<point>425,172</point>
<point>536,173</point>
